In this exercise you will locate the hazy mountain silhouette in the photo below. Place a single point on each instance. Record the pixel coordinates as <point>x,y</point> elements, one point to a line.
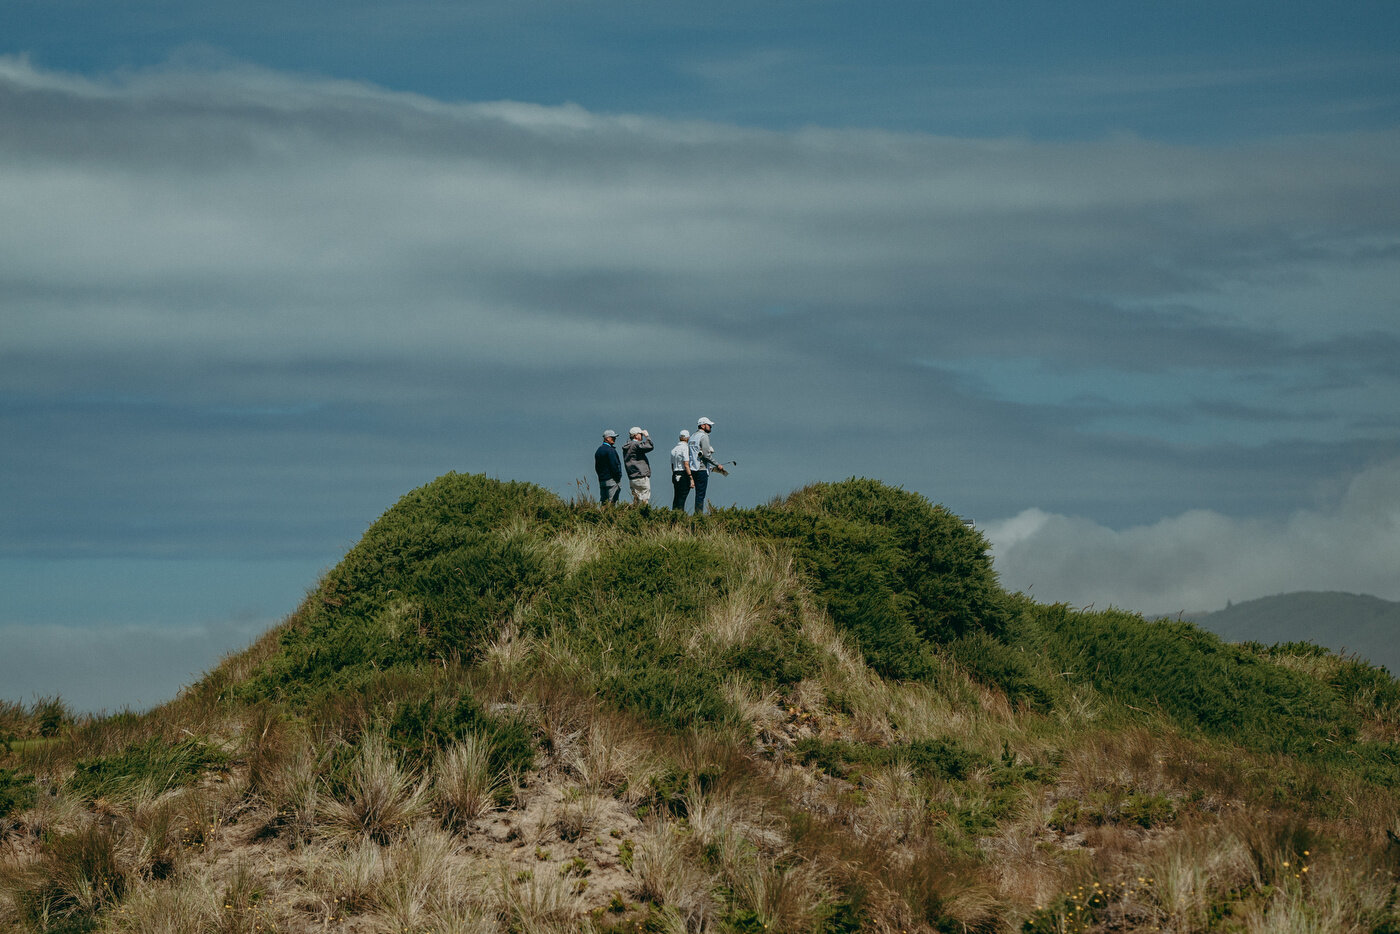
<point>1355,623</point>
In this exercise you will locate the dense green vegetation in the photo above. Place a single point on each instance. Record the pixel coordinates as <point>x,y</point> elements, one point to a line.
<point>908,582</point>
<point>822,714</point>
<point>437,574</point>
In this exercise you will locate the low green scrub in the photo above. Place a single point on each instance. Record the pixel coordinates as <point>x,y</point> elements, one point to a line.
<point>850,567</point>
<point>1371,691</point>
<point>1206,685</point>
<point>1144,810</point>
<point>420,729</point>
<point>632,613</point>
<point>1010,668</point>
<point>942,564</point>
<point>672,789</point>
<point>930,758</point>
<point>151,767</point>
<point>17,792</point>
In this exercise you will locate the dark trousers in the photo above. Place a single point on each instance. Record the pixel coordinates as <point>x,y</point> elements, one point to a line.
<point>680,489</point>
<point>702,480</point>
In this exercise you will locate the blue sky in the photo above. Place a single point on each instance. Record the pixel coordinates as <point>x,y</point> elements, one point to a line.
<point>1118,281</point>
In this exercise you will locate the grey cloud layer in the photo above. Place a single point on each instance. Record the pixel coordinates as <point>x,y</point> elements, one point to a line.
<point>283,283</point>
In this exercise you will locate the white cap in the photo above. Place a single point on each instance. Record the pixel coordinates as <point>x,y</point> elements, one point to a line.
<point>705,421</point>
<point>685,436</point>
<point>609,434</point>
<point>635,431</point>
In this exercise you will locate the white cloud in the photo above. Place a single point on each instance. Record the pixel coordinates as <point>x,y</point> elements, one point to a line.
<point>1199,560</point>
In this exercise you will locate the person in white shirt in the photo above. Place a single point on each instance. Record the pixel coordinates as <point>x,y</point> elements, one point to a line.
<point>680,472</point>
<point>702,461</point>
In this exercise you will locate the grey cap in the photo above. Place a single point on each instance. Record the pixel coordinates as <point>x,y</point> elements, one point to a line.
<point>635,431</point>
<point>705,421</point>
<point>685,436</point>
<point>609,434</point>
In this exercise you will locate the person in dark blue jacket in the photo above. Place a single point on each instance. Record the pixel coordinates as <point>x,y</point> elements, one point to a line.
<point>608,466</point>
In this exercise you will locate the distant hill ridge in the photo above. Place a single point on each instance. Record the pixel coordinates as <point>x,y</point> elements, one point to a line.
<point>505,713</point>
<point>1357,624</point>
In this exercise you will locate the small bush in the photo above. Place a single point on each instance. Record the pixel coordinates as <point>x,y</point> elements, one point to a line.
<point>430,580</point>
<point>422,728</point>
<point>1147,811</point>
<point>1144,810</point>
<point>894,571</point>
<point>942,563</point>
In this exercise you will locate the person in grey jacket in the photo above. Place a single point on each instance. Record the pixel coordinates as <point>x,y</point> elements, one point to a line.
<point>634,459</point>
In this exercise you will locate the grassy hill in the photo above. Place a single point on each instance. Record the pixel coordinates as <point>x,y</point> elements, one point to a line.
<point>502,712</point>
<point>1344,622</point>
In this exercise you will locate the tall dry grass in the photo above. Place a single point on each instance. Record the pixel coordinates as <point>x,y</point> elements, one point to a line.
<point>466,785</point>
<point>380,799</point>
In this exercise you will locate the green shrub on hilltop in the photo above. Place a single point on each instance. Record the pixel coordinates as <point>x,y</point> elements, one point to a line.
<point>850,567</point>
<point>1021,675</point>
<point>431,579</point>
<point>942,564</point>
<point>896,572</point>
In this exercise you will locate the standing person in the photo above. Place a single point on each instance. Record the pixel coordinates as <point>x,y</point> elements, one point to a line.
<point>608,467</point>
<point>634,459</point>
<point>702,461</point>
<point>680,472</point>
